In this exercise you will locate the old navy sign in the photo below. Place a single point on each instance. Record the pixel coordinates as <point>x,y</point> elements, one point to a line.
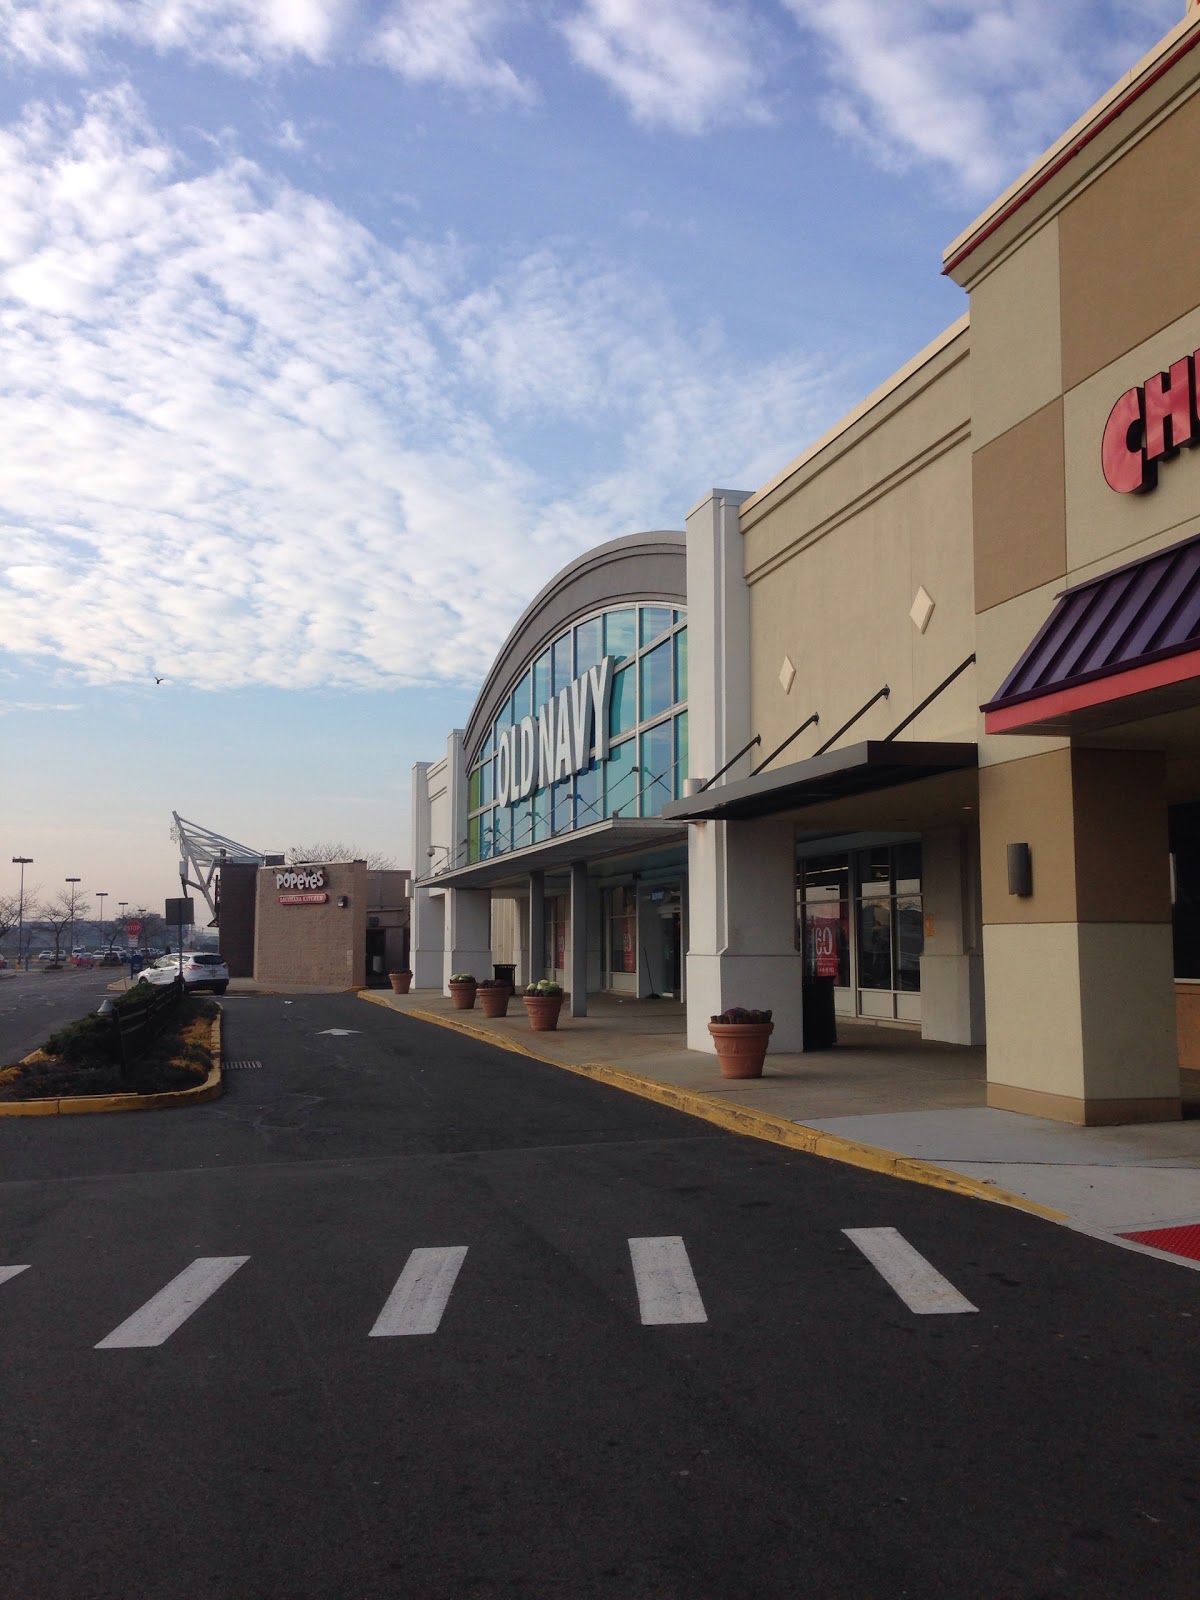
<point>556,743</point>
<point>1150,424</point>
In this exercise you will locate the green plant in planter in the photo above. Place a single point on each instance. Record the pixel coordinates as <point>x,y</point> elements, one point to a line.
<point>462,977</point>
<point>490,983</point>
<point>545,986</point>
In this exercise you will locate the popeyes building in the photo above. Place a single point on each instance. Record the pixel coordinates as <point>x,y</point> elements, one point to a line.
<point>938,746</point>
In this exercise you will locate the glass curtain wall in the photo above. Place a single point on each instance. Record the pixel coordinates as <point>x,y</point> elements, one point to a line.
<point>647,730</point>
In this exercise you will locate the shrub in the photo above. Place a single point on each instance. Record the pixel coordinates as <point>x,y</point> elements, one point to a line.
<point>462,977</point>
<point>90,1042</point>
<point>545,986</point>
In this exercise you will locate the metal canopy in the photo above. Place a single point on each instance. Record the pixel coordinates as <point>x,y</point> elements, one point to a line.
<point>617,836</point>
<point>858,769</point>
<point>1122,646</point>
<point>203,853</point>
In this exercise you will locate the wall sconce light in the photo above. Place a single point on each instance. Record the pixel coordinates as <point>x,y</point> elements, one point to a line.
<point>343,901</point>
<point>1020,870</point>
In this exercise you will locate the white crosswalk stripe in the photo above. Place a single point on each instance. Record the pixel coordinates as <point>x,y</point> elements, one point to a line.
<point>666,1285</point>
<point>422,1290</point>
<point>169,1309</point>
<point>10,1272</point>
<point>919,1285</point>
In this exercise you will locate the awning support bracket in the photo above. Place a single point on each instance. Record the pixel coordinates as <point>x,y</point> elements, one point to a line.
<point>880,694</point>
<point>762,765</point>
<point>733,760</point>
<point>930,698</point>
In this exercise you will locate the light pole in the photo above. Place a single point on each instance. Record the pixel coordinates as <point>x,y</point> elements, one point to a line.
<point>71,945</point>
<point>22,862</point>
<point>102,896</point>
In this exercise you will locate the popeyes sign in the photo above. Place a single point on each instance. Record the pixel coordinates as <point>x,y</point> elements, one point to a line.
<point>1150,424</point>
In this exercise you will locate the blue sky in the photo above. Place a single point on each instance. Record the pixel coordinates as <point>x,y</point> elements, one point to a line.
<point>331,329</point>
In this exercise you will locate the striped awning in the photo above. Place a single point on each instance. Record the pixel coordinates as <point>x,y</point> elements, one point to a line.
<point>1119,648</point>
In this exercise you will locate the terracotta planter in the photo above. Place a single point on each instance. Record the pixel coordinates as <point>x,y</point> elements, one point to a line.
<point>401,981</point>
<point>494,1002</point>
<point>543,1011</point>
<point>741,1047</point>
<point>463,995</point>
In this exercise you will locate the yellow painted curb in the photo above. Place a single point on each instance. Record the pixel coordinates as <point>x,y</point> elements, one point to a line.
<point>757,1124</point>
<point>83,1105</point>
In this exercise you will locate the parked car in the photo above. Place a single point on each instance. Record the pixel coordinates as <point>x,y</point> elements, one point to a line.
<point>45,955</point>
<point>111,958</point>
<point>202,969</point>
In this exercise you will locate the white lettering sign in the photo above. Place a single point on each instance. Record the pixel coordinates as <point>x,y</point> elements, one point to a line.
<point>301,878</point>
<point>558,741</point>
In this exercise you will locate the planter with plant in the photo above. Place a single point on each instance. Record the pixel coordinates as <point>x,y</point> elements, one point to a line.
<point>543,1002</point>
<point>401,981</point>
<point>494,995</point>
<point>462,990</point>
<point>741,1037</point>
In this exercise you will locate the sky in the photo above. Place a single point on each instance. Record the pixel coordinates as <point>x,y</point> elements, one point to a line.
<point>330,330</point>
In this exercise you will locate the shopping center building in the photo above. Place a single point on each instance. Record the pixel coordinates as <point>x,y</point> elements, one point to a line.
<point>937,745</point>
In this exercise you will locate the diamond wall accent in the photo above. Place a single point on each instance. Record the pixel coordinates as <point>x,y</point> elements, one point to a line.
<point>922,609</point>
<point>787,675</point>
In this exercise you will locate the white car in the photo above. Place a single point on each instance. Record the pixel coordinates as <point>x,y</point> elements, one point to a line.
<point>202,969</point>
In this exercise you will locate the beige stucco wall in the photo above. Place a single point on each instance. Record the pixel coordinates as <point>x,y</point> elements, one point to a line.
<point>319,944</point>
<point>836,549</point>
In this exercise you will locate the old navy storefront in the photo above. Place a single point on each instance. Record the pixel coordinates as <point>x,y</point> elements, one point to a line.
<point>541,833</point>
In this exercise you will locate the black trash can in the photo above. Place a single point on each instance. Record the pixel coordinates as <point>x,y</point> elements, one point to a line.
<point>505,972</point>
<point>820,1022</point>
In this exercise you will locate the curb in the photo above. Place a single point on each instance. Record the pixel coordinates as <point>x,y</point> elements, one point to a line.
<point>82,1105</point>
<point>755,1124</point>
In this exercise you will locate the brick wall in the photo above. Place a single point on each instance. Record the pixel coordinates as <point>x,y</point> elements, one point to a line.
<point>321,943</point>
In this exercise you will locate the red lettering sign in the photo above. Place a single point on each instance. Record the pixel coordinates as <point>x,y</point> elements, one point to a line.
<point>1150,424</point>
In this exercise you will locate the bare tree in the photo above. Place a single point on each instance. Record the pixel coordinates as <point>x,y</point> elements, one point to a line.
<point>56,916</point>
<point>10,915</point>
<point>335,850</point>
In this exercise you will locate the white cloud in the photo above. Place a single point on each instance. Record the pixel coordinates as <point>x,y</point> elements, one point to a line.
<point>247,443</point>
<point>679,64</point>
<point>8,706</point>
<point>976,89</point>
<point>448,42</point>
<point>239,35</point>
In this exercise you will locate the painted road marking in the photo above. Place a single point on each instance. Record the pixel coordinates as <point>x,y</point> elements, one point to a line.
<point>919,1285</point>
<point>10,1272</point>
<point>666,1286</point>
<point>337,1033</point>
<point>158,1319</point>
<point>242,1066</point>
<point>416,1304</point>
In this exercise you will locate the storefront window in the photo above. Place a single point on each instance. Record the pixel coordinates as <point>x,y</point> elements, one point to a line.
<point>542,803</point>
<point>522,698</point>
<point>621,932</point>
<point>522,824</point>
<point>622,708</point>
<point>658,760</point>
<point>655,621</point>
<point>619,634</point>
<point>620,780</point>
<point>542,680</point>
<point>589,644</point>
<point>681,752</point>
<point>589,797</point>
<point>658,688</point>
<point>564,797</point>
<point>474,789</point>
<point>681,665</point>
<point>564,667</point>
<point>825,918</point>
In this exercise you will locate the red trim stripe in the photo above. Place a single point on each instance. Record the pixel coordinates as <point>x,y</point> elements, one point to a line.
<point>1069,155</point>
<point>1098,692</point>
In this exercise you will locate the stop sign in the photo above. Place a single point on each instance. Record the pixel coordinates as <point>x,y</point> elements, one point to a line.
<point>133,929</point>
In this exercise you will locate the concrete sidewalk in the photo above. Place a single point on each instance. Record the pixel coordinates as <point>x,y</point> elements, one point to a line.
<point>883,1098</point>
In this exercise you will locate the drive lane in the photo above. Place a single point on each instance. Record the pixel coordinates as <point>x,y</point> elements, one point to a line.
<point>813,1434</point>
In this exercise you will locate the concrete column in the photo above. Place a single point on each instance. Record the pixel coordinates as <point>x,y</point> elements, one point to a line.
<point>741,876</point>
<point>952,1006</point>
<point>427,942</point>
<point>577,938</point>
<point>468,934</point>
<point>537,926</point>
<point>1080,993</point>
